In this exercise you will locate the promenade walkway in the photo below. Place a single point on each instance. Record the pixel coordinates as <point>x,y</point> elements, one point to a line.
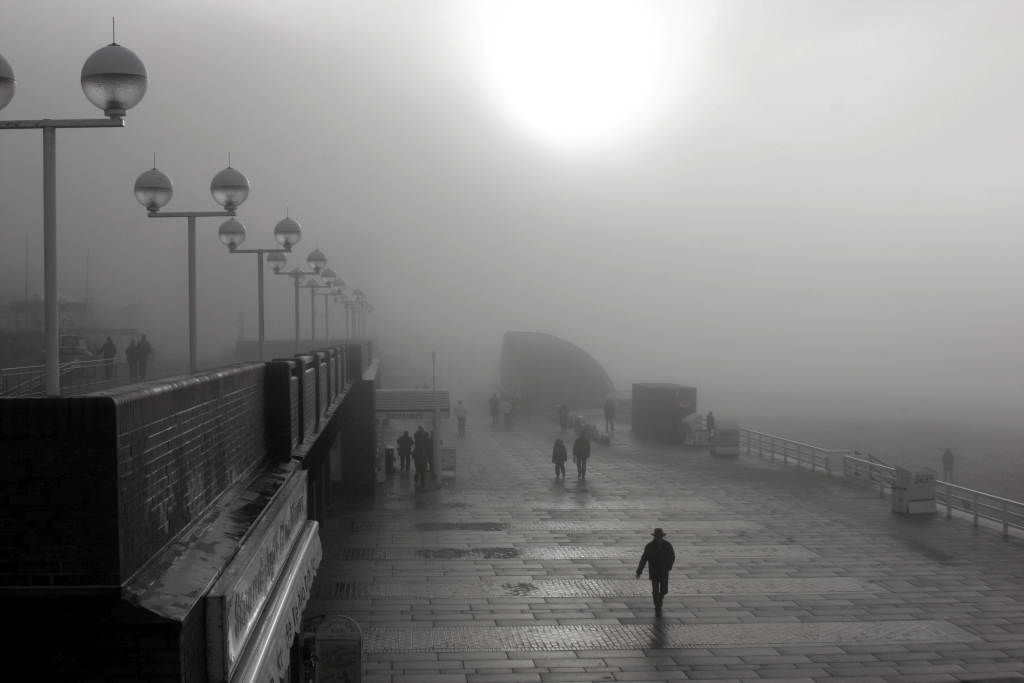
<point>510,575</point>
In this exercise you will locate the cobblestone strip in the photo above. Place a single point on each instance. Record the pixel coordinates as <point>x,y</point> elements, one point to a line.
<point>584,504</point>
<point>659,637</point>
<point>583,588</point>
<point>564,552</point>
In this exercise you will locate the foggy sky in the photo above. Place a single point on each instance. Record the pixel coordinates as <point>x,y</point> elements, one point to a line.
<point>834,209</point>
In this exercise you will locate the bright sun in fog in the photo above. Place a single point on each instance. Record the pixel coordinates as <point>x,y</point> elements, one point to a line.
<point>573,72</point>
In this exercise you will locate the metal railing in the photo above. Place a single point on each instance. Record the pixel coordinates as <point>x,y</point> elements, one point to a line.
<point>868,471</point>
<point>1009,513</point>
<point>76,377</point>
<point>756,443</point>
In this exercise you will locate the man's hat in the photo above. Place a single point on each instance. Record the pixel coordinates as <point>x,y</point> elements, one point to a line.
<point>658,533</point>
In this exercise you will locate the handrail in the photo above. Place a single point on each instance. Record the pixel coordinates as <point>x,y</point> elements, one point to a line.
<point>77,377</point>
<point>871,470</point>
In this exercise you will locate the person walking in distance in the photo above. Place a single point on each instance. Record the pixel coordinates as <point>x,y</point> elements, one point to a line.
<point>405,444</point>
<point>108,352</point>
<point>144,349</point>
<point>559,456</point>
<point>495,404</point>
<point>131,354</point>
<point>580,454</point>
<point>609,415</point>
<point>710,419</point>
<point>563,416</point>
<point>659,558</point>
<point>506,411</point>
<point>460,414</point>
<point>420,454</point>
<point>947,466</point>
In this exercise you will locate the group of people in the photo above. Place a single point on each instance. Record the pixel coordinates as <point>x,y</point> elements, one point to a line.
<point>420,449</point>
<point>503,408</point>
<point>580,455</point>
<point>137,354</point>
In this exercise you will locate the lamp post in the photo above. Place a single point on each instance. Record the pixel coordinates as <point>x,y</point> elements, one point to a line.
<point>317,261</point>
<point>357,311</point>
<point>115,80</point>
<point>330,279</point>
<point>232,234</point>
<point>154,189</point>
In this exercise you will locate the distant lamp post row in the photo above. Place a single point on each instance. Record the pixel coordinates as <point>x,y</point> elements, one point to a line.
<point>317,262</point>
<point>229,188</point>
<point>115,80</point>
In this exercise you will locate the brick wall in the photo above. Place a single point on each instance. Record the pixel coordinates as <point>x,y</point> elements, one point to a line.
<point>307,383</point>
<point>282,404</point>
<point>181,443</point>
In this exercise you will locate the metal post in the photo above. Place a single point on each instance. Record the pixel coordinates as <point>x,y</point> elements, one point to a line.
<point>193,365</point>
<point>312,315</point>
<point>347,337</point>
<point>50,319</point>
<point>259,281</point>
<point>949,501</point>
<point>436,449</point>
<point>296,280</point>
<point>327,320</point>
<point>974,506</point>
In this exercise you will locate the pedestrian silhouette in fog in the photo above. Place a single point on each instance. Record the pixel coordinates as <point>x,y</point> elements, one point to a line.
<point>580,455</point>
<point>108,352</point>
<point>405,444</point>
<point>131,354</point>
<point>563,416</point>
<point>495,404</point>
<point>143,349</point>
<point>609,415</point>
<point>421,442</point>
<point>711,424</point>
<point>460,414</point>
<point>559,456</point>
<point>506,411</point>
<point>947,466</point>
<point>659,558</point>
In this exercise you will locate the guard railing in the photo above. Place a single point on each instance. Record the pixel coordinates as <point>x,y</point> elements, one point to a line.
<point>766,445</point>
<point>1009,513</point>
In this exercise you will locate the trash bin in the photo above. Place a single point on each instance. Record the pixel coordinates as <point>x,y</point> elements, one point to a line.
<point>726,439</point>
<point>389,461</point>
<point>913,492</point>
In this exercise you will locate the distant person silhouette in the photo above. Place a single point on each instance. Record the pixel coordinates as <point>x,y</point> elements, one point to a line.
<point>420,454</point>
<point>711,424</point>
<point>143,349</point>
<point>947,466</point>
<point>131,354</point>
<point>659,557</point>
<point>559,456</point>
<point>460,414</point>
<point>495,404</point>
<point>108,352</point>
<point>609,415</point>
<point>405,444</point>
<point>563,417</point>
<point>580,454</point>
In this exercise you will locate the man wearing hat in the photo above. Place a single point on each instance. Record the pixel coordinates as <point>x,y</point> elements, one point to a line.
<point>660,556</point>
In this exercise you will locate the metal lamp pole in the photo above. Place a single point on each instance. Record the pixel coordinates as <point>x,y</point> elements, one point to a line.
<point>317,261</point>
<point>232,234</point>
<point>115,80</point>
<point>154,189</point>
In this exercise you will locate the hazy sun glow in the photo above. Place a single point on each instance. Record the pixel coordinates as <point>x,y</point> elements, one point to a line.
<point>573,71</point>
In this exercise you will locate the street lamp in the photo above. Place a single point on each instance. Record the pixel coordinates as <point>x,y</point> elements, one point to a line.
<point>317,261</point>
<point>331,281</point>
<point>232,234</point>
<point>115,80</point>
<point>154,189</point>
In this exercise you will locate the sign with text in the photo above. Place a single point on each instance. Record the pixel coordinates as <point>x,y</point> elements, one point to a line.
<point>235,602</point>
<point>339,650</point>
<point>411,414</point>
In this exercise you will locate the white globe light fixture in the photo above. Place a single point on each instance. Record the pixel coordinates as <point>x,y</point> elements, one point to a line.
<point>317,260</point>
<point>230,188</point>
<point>277,261</point>
<point>287,233</point>
<point>232,233</point>
<point>114,79</point>
<point>296,273</point>
<point>329,276</point>
<point>7,83</point>
<point>153,189</point>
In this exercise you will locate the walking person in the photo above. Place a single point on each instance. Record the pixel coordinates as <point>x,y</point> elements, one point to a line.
<point>710,419</point>
<point>405,444</point>
<point>947,466</point>
<point>495,404</point>
<point>108,352</point>
<point>460,415</point>
<point>559,456</point>
<point>143,348</point>
<point>131,354</point>
<point>659,558</point>
<point>563,417</point>
<point>609,415</point>
<point>421,441</point>
<point>506,412</point>
<point>580,454</point>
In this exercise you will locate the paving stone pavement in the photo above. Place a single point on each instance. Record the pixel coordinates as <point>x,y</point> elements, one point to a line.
<point>506,574</point>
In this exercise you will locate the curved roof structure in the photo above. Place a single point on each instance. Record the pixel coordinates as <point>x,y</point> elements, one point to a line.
<point>546,371</point>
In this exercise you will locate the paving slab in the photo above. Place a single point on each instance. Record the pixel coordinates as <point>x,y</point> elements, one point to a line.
<point>504,573</point>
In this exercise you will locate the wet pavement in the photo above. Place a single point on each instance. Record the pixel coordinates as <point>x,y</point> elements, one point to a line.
<point>507,574</point>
